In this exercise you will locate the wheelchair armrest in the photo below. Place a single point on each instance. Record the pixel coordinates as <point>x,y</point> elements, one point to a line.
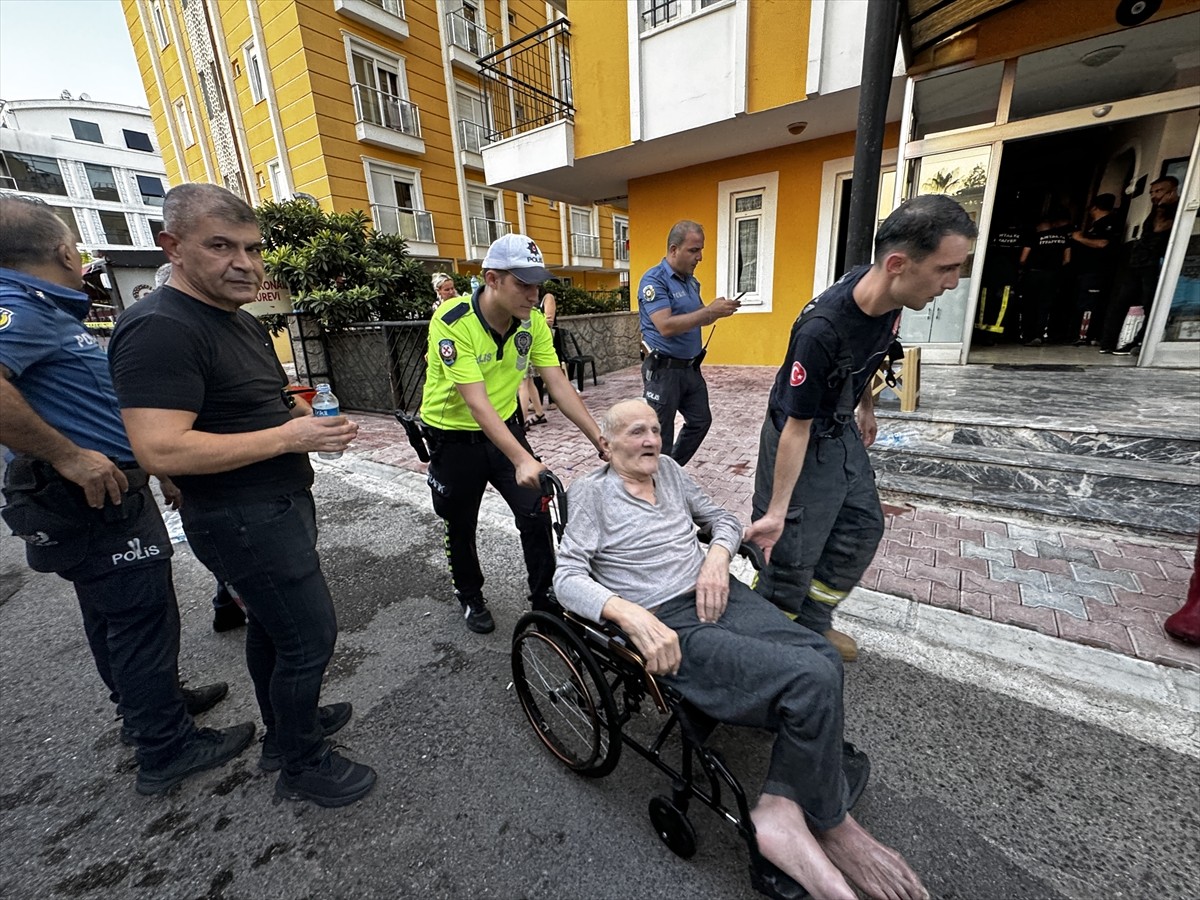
<point>620,645</point>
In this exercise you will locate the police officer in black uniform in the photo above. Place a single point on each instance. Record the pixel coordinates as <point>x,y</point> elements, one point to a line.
<point>816,510</point>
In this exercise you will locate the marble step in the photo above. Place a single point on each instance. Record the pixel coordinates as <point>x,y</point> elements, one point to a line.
<point>1153,496</point>
<point>1181,448</point>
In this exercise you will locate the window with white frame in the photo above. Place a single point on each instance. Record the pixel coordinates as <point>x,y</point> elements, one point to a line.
<point>474,118</point>
<point>621,239</point>
<point>397,205</point>
<point>275,176</point>
<point>654,13</point>
<point>160,25</point>
<point>254,72</point>
<point>584,240</point>
<point>184,121</point>
<point>486,216</point>
<point>380,89</point>
<point>746,239</point>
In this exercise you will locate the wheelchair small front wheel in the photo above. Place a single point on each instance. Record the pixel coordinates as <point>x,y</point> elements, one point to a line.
<point>673,827</point>
<point>565,696</point>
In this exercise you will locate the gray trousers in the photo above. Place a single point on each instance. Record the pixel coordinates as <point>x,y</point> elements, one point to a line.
<point>833,528</point>
<point>756,667</point>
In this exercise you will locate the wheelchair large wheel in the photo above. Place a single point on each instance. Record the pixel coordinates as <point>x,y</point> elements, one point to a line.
<point>565,696</point>
<point>673,827</point>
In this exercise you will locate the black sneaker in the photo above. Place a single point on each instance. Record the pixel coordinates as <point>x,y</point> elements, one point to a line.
<point>479,620</point>
<point>1127,350</point>
<point>332,719</point>
<point>199,700</point>
<point>228,616</point>
<point>332,780</point>
<point>207,749</point>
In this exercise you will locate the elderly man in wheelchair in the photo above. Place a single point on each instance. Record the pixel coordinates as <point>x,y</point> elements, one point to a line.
<point>630,556</point>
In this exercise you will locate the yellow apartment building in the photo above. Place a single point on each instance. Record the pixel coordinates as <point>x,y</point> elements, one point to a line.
<point>741,115</point>
<point>359,104</point>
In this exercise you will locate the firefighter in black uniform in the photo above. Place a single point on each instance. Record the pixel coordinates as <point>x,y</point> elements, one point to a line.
<point>816,510</point>
<point>479,350</point>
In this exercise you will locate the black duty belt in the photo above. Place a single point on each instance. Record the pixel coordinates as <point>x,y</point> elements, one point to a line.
<point>662,361</point>
<point>467,437</point>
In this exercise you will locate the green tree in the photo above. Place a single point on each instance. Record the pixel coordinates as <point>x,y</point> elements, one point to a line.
<point>338,268</point>
<point>941,181</point>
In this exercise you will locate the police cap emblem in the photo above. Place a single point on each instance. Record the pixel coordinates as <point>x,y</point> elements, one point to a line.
<point>447,351</point>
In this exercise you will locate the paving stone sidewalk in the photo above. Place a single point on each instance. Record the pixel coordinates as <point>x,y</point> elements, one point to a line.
<point>1082,584</point>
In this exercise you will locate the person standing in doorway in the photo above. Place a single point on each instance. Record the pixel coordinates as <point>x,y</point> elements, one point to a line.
<point>1045,254</point>
<point>672,314</point>
<point>1145,263</point>
<point>1093,249</point>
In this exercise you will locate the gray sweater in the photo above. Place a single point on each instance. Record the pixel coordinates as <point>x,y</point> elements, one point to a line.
<point>645,553</point>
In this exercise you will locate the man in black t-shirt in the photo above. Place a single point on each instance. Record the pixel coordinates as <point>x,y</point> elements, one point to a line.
<point>816,509</point>
<point>1045,254</point>
<point>201,395</point>
<point>1093,258</point>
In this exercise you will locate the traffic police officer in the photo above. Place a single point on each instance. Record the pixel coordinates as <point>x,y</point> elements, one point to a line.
<point>76,497</point>
<point>672,314</point>
<point>816,510</point>
<point>479,350</point>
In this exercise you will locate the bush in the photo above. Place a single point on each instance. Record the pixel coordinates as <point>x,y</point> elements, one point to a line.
<point>338,268</point>
<point>575,301</point>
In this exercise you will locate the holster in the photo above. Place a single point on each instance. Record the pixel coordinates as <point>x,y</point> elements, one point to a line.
<point>414,430</point>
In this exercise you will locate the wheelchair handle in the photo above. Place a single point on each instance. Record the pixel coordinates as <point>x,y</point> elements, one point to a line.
<point>553,492</point>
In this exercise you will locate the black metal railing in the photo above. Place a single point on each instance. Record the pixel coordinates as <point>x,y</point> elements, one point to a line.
<point>372,366</point>
<point>528,81</point>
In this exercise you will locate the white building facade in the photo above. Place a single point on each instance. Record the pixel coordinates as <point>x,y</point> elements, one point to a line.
<point>97,164</point>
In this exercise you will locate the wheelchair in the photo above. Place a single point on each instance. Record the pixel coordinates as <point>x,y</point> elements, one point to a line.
<point>580,684</point>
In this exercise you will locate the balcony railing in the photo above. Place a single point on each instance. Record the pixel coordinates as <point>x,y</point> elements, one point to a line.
<point>528,81</point>
<point>414,225</point>
<point>621,251</point>
<point>585,244</point>
<point>387,110</point>
<point>484,231</point>
<point>472,136</point>
<point>469,36</point>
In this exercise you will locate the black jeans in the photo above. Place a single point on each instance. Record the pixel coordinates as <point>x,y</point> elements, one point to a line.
<point>268,551</point>
<point>459,473</point>
<point>669,391</point>
<point>1137,289</point>
<point>132,624</point>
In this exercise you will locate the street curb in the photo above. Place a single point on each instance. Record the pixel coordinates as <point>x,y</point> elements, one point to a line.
<point>1152,703</point>
<point>1156,704</point>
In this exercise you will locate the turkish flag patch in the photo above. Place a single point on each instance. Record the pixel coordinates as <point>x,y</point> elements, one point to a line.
<point>798,375</point>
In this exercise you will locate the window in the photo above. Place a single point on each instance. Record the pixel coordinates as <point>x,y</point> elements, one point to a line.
<point>620,239</point>
<point>116,228</point>
<point>275,175</point>
<point>68,218</point>
<point>210,90</point>
<point>584,240</point>
<point>473,118</point>
<point>746,239</point>
<point>160,25</point>
<point>397,206</point>
<point>156,227</point>
<point>379,92</point>
<point>527,200</point>
<point>104,185</point>
<point>151,188</point>
<point>36,174</point>
<point>137,140</point>
<point>86,131</point>
<point>254,72</point>
<point>486,217</point>
<point>654,13</point>
<point>184,121</point>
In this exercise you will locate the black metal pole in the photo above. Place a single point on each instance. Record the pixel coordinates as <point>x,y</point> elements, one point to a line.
<point>879,58</point>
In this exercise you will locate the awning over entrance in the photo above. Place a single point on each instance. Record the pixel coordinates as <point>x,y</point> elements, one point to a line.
<point>926,22</point>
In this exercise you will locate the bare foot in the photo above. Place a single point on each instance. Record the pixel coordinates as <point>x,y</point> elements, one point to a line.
<point>879,871</point>
<point>785,840</point>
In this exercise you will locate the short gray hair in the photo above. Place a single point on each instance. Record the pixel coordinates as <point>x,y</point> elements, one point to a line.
<point>612,420</point>
<point>186,204</point>
<point>30,233</point>
<point>680,230</point>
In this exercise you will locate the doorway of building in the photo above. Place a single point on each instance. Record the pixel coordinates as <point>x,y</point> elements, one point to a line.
<point>1034,314</point>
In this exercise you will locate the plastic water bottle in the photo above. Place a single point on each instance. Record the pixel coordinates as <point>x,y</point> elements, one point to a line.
<point>475,283</point>
<point>325,404</point>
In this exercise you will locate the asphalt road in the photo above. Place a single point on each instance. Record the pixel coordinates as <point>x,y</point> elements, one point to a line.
<point>987,796</point>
